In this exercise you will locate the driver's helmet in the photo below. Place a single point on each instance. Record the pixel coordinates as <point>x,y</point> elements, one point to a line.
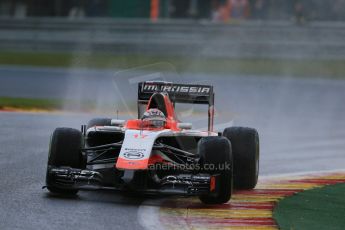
<point>154,118</point>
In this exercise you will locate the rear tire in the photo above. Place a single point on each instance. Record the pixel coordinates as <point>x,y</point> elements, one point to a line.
<point>217,151</point>
<point>246,152</point>
<point>65,150</point>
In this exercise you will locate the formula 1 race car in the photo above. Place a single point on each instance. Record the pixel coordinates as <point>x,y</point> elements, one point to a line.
<point>156,153</point>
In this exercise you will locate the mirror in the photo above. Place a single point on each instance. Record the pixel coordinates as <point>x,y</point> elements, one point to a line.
<point>184,125</point>
<point>116,122</point>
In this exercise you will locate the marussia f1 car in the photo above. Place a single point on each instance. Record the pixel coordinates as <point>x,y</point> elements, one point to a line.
<point>156,153</point>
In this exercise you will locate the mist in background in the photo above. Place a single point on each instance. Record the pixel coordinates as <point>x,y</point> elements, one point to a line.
<point>276,65</point>
<point>92,43</point>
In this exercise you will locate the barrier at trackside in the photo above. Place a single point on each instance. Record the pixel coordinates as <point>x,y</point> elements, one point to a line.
<point>251,39</point>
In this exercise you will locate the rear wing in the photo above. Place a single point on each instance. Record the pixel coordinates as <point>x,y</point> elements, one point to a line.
<point>179,93</point>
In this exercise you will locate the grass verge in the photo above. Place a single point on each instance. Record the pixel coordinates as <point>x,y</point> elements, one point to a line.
<point>39,104</point>
<point>30,103</point>
<point>310,68</point>
<point>321,208</point>
<point>9,103</point>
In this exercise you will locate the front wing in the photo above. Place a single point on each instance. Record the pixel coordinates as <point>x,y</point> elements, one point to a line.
<point>182,184</point>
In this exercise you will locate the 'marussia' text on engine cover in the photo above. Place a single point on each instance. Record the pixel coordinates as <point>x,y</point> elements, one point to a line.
<point>202,94</point>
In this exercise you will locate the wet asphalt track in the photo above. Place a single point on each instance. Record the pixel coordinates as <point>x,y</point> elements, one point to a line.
<point>300,121</point>
<point>24,205</point>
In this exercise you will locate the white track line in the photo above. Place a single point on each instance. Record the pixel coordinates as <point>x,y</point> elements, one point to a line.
<point>148,215</point>
<point>297,174</point>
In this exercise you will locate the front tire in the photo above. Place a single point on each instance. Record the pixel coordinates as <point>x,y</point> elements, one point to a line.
<point>246,152</point>
<point>65,150</point>
<point>216,151</point>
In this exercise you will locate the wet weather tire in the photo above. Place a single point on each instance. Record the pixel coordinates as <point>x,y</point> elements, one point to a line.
<point>246,152</point>
<point>216,151</point>
<point>65,151</point>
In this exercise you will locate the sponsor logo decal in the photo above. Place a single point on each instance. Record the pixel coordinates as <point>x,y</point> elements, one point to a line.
<point>177,89</point>
<point>133,155</point>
